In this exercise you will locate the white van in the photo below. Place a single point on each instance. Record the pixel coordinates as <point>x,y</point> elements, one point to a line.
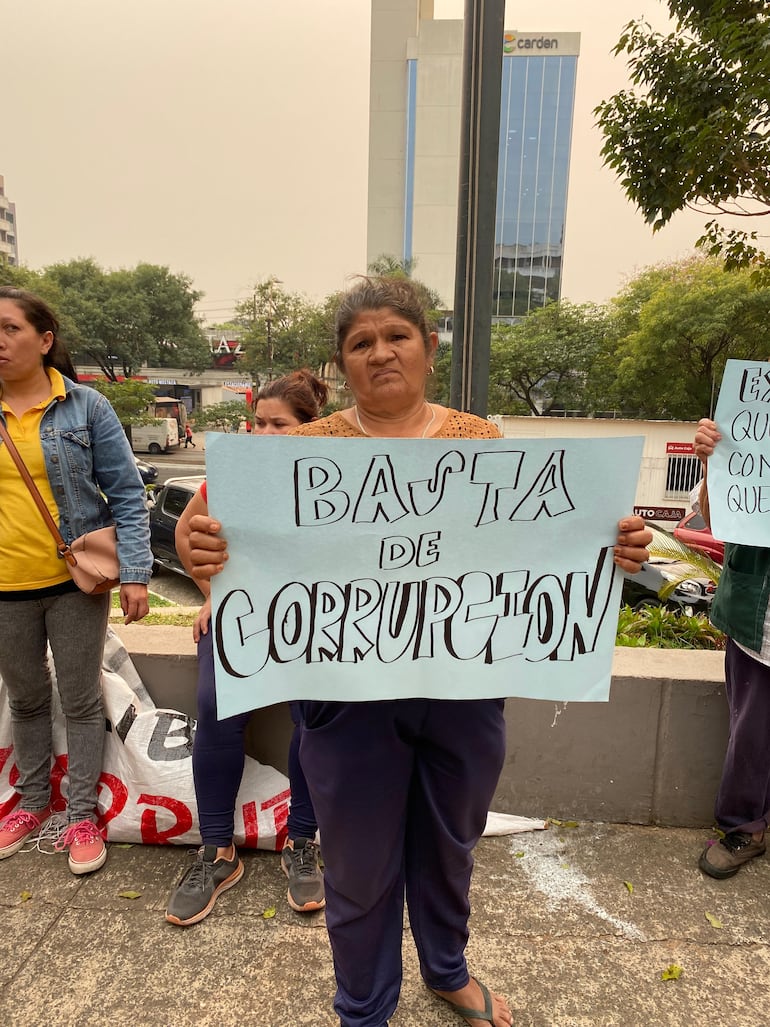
<point>157,437</point>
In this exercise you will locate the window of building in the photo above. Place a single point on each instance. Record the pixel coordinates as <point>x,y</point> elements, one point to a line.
<point>682,475</point>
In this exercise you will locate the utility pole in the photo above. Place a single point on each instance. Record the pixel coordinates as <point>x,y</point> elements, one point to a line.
<point>479,146</point>
<point>268,322</point>
<point>269,325</point>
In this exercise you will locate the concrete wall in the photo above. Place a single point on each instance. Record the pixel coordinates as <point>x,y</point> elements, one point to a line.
<point>651,755</point>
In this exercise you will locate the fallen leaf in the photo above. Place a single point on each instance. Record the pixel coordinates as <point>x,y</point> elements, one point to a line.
<point>563,823</point>
<point>671,973</point>
<point>713,920</point>
<point>519,854</point>
<point>629,886</point>
<point>122,845</point>
<point>269,913</point>
<point>25,896</point>
<point>129,895</point>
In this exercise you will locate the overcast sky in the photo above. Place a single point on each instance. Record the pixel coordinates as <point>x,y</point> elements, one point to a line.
<point>228,139</point>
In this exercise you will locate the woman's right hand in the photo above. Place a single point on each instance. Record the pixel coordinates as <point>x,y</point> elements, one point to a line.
<point>202,620</point>
<point>208,550</point>
<point>706,438</point>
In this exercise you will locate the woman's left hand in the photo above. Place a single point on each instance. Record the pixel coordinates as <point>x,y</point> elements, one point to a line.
<point>133,601</point>
<point>631,548</point>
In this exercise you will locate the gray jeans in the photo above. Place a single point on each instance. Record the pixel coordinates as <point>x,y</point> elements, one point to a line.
<point>75,625</point>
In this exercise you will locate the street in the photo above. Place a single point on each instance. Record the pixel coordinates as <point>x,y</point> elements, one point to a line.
<point>177,463</point>
<point>176,587</point>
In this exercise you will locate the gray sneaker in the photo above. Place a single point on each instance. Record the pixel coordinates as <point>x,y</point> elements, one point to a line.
<point>726,857</point>
<point>299,861</point>
<point>201,885</point>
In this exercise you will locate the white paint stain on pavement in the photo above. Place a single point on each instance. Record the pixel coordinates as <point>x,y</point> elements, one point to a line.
<point>546,866</point>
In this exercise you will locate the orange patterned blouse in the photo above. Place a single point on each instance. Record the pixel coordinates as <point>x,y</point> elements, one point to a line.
<point>455,425</point>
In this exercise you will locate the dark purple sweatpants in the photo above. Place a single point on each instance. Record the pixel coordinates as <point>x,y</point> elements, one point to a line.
<point>218,760</point>
<point>743,800</point>
<point>401,790</point>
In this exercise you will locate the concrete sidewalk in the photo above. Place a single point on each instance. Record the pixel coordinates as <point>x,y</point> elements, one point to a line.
<point>554,927</point>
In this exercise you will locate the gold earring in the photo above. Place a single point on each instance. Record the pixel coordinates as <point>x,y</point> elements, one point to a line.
<point>431,369</point>
<point>345,384</point>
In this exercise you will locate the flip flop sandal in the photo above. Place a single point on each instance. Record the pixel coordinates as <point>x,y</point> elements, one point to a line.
<point>476,1014</point>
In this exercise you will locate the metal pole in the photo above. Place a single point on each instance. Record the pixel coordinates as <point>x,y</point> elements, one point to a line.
<point>479,144</point>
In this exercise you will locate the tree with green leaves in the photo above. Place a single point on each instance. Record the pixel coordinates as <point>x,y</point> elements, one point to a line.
<point>226,416</point>
<point>544,363</point>
<point>281,331</point>
<point>123,319</point>
<point>693,132</point>
<point>675,326</point>
<point>130,400</point>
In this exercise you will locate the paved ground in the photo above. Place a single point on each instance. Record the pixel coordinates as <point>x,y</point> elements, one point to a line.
<point>554,926</point>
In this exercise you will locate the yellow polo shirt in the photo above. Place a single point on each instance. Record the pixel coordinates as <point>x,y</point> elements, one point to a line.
<point>28,557</point>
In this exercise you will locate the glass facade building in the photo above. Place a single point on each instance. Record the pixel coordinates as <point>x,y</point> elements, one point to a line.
<point>535,135</point>
<point>414,152</point>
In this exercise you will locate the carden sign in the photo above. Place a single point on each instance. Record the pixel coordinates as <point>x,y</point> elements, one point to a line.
<point>383,568</point>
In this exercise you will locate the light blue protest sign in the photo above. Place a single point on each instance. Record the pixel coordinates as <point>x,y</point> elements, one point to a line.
<point>368,569</point>
<point>739,469</point>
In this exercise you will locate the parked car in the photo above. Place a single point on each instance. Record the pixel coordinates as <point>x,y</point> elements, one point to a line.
<point>149,472</point>
<point>692,594</point>
<point>694,532</point>
<point>169,502</point>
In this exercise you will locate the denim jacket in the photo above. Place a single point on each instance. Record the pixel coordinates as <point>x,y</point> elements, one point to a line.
<point>88,457</point>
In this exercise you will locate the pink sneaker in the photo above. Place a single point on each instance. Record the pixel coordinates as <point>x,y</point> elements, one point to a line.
<point>17,827</point>
<point>86,844</point>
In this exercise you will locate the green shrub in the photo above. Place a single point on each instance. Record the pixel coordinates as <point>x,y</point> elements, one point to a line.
<point>660,628</point>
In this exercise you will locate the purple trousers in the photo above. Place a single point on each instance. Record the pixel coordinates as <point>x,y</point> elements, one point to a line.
<point>743,800</point>
<point>401,790</point>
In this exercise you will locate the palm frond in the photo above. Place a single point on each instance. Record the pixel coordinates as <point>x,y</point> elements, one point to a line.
<point>665,545</point>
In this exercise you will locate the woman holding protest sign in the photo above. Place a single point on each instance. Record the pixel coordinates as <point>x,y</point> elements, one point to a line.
<point>741,609</point>
<point>70,441</point>
<point>218,753</point>
<point>401,787</point>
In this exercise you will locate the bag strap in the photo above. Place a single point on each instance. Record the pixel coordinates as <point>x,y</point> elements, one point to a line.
<point>61,546</point>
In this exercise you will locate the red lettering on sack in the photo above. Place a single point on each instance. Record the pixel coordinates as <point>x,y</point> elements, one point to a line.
<point>13,776</point>
<point>119,794</point>
<point>149,820</point>
<point>58,773</point>
<point>9,805</point>
<point>280,807</point>
<point>250,825</point>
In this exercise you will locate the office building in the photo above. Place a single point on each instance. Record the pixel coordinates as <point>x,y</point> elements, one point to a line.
<point>414,152</point>
<point>9,250</point>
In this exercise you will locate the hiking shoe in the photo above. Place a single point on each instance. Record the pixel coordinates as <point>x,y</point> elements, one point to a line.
<point>299,861</point>
<point>17,827</point>
<point>201,885</point>
<point>87,851</point>
<point>726,857</point>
